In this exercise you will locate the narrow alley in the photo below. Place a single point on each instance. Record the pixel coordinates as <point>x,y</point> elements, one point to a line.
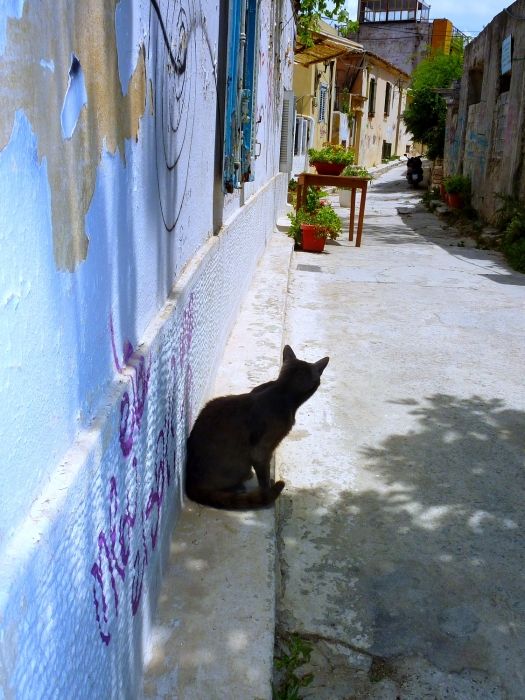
<point>400,531</point>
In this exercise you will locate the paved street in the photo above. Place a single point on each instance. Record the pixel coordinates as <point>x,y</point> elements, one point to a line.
<point>400,529</point>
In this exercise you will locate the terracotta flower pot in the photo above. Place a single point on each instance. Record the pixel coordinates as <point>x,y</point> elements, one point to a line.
<point>455,200</point>
<point>329,168</point>
<point>312,243</point>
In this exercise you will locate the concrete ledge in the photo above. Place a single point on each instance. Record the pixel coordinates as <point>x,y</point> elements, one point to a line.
<point>213,635</point>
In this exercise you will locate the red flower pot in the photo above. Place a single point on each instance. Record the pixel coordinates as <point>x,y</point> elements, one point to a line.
<point>455,200</point>
<point>329,168</point>
<point>312,242</point>
<point>443,192</point>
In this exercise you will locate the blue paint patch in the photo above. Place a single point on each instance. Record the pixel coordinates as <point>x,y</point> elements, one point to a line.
<point>10,8</point>
<point>128,44</point>
<point>37,325</point>
<point>75,99</point>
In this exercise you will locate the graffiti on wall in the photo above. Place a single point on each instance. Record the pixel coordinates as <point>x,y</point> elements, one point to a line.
<point>125,546</point>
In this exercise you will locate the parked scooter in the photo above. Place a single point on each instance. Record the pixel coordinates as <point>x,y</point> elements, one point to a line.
<point>414,171</point>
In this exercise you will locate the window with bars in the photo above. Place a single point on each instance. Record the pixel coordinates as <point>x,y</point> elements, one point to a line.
<point>241,81</point>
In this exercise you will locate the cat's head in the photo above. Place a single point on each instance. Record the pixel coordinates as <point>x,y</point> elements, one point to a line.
<point>303,377</point>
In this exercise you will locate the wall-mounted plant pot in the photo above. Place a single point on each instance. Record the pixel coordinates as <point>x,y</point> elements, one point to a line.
<point>455,200</point>
<point>312,242</point>
<point>329,168</point>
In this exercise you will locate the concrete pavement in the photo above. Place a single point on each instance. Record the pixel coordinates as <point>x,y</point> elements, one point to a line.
<point>400,530</point>
<point>213,635</point>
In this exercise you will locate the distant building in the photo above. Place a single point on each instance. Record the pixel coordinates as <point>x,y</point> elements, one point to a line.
<point>401,32</point>
<point>314,85</point>
<point>373,93</point>
<point>347,96</point>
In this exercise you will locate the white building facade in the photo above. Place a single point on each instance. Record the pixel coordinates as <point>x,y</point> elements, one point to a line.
<point>127,246</point>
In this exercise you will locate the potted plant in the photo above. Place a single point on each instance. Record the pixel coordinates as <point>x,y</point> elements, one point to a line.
<point>351,171</point>
<point>311,228</point>
<point>457,188</point>
<point>331,159</point>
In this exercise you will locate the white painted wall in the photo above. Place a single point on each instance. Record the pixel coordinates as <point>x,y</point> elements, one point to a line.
<point>115,303</point>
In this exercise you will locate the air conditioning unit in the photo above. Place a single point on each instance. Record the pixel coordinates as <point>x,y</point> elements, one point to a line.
<point>287,129</point>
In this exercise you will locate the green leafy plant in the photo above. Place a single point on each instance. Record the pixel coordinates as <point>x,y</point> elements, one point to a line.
<point>513,243</point>
<point>426,113</point>
<point>457,184</point>
<point>331,153</point>
<point>511,220</point>
<point>310,12</point>
<point>324,218</point>
<point>297,653</point>
<point>356,171</point>
<point>313,198</point>
<point>328,222</point>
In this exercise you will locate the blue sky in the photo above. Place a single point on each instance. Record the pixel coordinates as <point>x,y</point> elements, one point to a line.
<point>470,16</point>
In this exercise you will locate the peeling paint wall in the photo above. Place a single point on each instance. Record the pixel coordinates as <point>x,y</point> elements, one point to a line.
<point>115,303</point>
<point>485,136</point>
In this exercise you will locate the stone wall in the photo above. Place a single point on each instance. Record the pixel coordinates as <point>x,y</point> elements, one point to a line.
<point>486,128</point>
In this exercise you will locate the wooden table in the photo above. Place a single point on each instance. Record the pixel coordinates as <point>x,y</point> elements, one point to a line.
<point>352,183</point>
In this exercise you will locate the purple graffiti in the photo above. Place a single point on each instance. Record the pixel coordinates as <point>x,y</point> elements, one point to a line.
<point>127,424</point>
<point>123,548</point>
<point>113,556</point>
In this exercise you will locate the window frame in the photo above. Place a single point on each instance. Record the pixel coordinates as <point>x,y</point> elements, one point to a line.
<point>372,93</point>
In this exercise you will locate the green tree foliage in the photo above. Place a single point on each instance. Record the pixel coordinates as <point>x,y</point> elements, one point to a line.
<point>309,12</point>
<point>426,113</point>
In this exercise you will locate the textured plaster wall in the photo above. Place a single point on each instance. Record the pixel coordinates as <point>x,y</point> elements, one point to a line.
<point>403,44</point>
<point>376,129</point>
<point>107,136</point>
<point>486,139</point>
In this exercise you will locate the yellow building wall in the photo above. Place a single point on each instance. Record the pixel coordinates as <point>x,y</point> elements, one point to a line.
<point>441,36</point>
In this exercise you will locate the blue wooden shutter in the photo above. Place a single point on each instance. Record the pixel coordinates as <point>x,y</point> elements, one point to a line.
<point>240,94</point>
<point>248,93</point>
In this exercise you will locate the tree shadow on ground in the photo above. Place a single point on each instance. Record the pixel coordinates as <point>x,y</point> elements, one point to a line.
<point>426,558</point>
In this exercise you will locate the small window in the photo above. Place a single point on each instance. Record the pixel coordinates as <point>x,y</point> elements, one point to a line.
<point>504,82</point>
<point>475,83</point>
<point>372,97</point>
<point>323,97</point>
<point>388,98</point>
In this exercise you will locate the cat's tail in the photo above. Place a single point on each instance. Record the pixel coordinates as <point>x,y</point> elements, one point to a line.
<point>236,500</point>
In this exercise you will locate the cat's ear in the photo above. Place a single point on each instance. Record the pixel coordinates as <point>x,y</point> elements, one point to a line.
<point>321,364</point>
<point>288,354</point>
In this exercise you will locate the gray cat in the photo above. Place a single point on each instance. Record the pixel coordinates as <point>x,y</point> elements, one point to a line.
<point>232,434</point>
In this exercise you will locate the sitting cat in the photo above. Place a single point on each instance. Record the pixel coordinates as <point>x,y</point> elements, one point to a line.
<point>234,433</point>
